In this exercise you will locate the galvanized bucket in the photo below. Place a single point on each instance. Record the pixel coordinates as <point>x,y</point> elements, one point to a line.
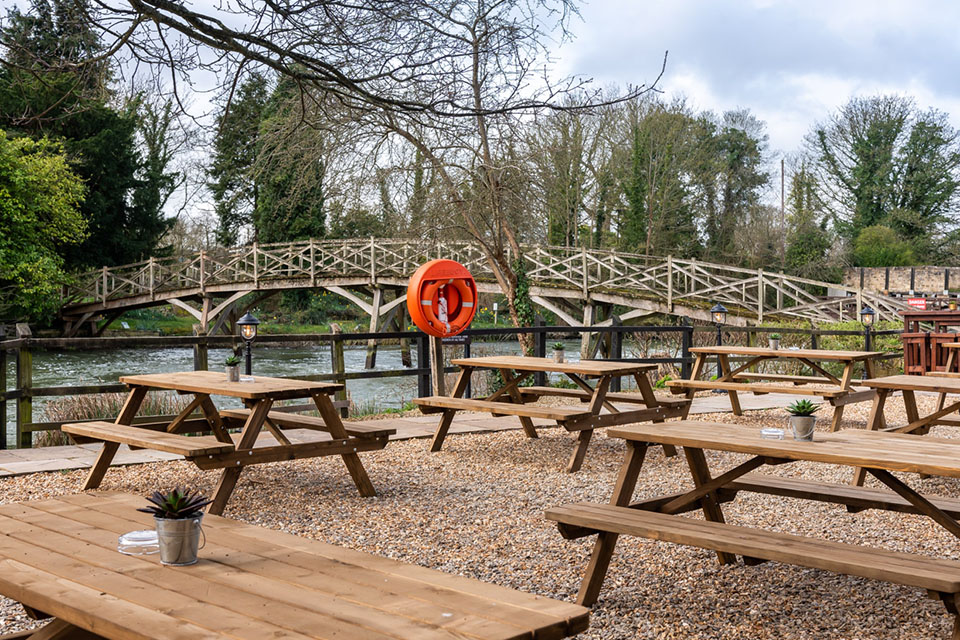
<point>803,427</point>
<point>179,540</point>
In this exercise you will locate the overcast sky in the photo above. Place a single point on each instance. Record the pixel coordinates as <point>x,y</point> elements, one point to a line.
<point>791,63</point>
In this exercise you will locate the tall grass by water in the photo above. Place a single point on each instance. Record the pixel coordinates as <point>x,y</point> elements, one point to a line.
<point>102,406</point>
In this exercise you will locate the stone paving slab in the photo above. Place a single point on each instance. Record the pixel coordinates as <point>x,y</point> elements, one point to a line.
<point>23,461</point>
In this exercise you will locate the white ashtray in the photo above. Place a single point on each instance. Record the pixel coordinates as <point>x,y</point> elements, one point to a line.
<point>138,543</point>
<point>771,433</point>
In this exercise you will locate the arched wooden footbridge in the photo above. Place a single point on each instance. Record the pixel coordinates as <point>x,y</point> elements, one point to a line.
<point>577,285</point>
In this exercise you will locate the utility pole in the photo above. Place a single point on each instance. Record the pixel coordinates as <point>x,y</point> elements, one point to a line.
<point>783,217</point>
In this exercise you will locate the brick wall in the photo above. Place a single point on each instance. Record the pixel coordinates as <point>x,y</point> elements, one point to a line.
<point>926,279</point>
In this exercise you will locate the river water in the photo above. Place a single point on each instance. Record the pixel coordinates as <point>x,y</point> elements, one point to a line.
<point>55,368</point>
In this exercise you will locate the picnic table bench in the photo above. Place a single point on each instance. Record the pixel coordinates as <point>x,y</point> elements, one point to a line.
<point>222,450</point>
<point>837,390</point>
<point>59,558</point>
<point>513,400</point>
<point>659,518</point>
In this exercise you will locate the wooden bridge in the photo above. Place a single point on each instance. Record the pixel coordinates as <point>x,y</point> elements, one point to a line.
<point>579,286</point>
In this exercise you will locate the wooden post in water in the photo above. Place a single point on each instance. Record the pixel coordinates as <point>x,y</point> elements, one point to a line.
<point>400,322</point>
<point>338,366</point>
<point>24,385</point>
<point>201,361</point>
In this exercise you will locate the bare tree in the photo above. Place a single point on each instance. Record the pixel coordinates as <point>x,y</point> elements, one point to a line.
<point>452,78</point>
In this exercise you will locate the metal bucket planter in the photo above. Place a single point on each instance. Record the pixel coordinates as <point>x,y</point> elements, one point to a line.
<point>774,344</point>
<point>558,355</point>
<point>179,540</point>
<point>802,427</point>
<point>233,374</point>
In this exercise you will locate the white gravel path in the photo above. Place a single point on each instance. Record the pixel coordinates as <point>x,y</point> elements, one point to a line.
<point>476,509</point>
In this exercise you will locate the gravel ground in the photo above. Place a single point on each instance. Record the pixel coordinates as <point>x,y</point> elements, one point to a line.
<point>476,509</point>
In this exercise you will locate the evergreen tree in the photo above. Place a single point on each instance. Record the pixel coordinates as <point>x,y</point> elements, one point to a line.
<point>235,147</point>
<point>45,91</point>
<point>289,181</point>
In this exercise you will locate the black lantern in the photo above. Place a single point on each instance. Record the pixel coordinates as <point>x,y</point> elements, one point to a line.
<point>719,313</point>
<point>866,317</point>
<point>248,331</point>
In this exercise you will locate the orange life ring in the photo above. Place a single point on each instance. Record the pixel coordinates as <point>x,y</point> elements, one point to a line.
<point>442,298</point>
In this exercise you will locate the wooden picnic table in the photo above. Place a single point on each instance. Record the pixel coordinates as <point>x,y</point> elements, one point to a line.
<point>59,558</point>
<point>221,451</point>
<point>512,399</point>
<point>837,390</point>
<point>880,453</point>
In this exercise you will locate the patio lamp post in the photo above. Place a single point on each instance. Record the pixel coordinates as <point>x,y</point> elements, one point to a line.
<point>248,331</point>
<point>867,316</point>
<point>719,313</point>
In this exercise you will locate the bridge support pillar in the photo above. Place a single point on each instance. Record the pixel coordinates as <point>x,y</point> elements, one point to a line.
<point>588,315</point>
<point>374,327</point>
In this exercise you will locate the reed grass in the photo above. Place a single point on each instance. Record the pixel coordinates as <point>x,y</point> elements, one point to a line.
<point>101,406</point>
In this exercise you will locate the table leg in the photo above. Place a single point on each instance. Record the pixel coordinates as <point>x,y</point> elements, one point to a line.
<point>213,418</point>
<point>949,367</point>
<point>105,457</point>
<point>248,438</point>
<point>874,423</point>
<point>913,414</point>
<point>446,419</point>
<point>709,503</point>
<point>511,379</point>
<point>923,505</point>
<point>694,374</point>
<point>576,460</point>
<point>650,399</point>
<point>606,542</point>
<point>725,370</point>
<point>352,461</point>
<point>583,438</point>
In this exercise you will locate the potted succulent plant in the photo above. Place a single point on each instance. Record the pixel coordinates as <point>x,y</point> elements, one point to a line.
<point>558,348</point>
<point>774,341</point>
<point>802,419</point>
<point>178,514</point>
<point>232,367</point>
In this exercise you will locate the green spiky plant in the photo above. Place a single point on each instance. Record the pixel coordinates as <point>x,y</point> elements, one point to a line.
<point>802,408</point>
<point>233,361</point>
<point>178,504</point>
<point>559,346</point>
<point>774,336</point>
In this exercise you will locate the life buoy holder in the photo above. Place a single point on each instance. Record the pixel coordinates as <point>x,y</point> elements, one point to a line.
<point>442,298</point>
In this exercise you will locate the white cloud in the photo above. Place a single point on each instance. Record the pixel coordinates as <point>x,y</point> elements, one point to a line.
<point>792,63</point>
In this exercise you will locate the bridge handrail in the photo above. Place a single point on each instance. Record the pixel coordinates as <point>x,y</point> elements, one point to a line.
<point>589,271</point>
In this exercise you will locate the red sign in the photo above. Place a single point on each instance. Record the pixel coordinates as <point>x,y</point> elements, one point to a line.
<point>918,303</point>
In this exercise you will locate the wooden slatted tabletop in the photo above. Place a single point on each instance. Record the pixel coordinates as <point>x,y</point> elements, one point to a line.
<point>214,383</point>
<point>59,557</point>
<point>588,368</point>
<point>810,354</point>
<point>933,383</point>
<point>852,447</point>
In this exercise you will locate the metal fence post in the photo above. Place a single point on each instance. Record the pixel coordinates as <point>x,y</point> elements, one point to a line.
<point>338,367</point>
<point>616,347</point>
<point>539,350</point>
<point>686,343</point>
<point>423,363</point>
